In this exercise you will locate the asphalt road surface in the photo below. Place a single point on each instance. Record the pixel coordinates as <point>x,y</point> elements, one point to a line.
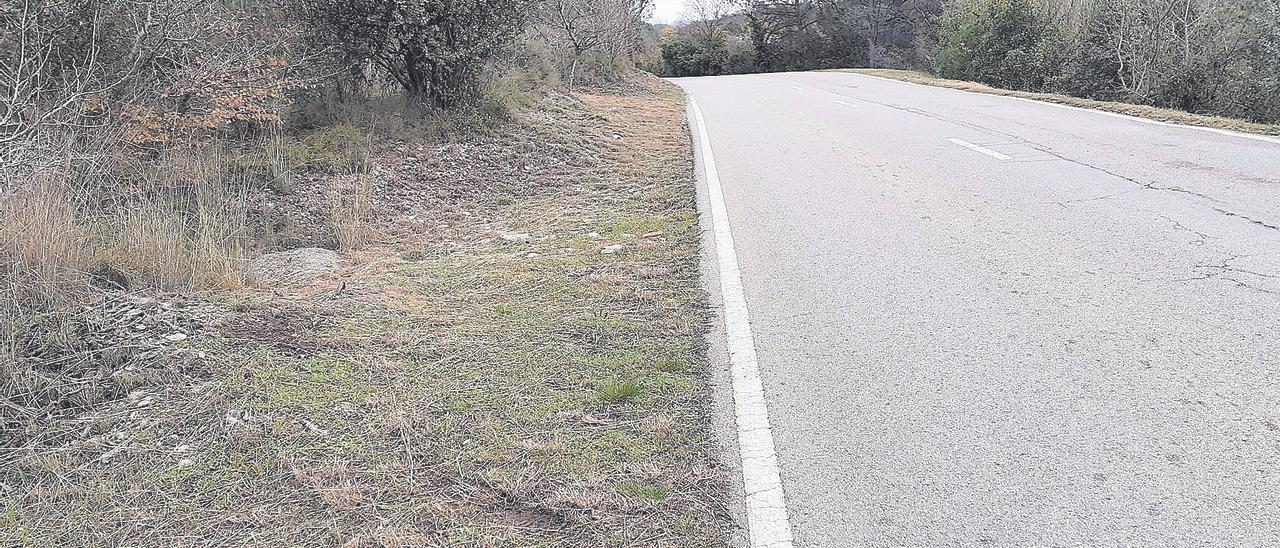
<point>983,321</point>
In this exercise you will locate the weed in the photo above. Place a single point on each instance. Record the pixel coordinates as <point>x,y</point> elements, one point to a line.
<point>351,209</point>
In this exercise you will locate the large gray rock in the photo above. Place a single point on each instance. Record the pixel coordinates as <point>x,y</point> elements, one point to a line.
<point>293,267</point>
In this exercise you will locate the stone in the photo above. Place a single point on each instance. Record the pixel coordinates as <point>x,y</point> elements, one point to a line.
<point>293,267</point>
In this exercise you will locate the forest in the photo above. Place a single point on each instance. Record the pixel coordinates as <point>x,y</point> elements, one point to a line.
<point>1218,57</point>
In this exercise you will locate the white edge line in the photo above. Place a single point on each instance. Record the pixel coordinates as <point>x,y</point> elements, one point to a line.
<point>843,103</point>
<point>767,519</point>
<point>979,148</point>
<point>1227,132</point>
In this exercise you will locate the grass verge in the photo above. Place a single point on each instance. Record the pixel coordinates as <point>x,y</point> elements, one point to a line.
<point>513,358</point>
<point>1140,111</point>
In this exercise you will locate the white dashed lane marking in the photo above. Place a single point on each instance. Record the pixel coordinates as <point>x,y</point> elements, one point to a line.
<point>980,148</point>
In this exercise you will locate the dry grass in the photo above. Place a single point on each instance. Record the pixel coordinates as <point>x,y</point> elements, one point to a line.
<point>186,230</point>
<point>72,237</point>
<point>352,206</point>
<point>1140,111</point>
<point>43,244</point>
<point>180,228</point>
<point>462,390</point>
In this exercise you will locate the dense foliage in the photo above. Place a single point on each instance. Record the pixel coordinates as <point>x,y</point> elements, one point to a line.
<point>999,42</point>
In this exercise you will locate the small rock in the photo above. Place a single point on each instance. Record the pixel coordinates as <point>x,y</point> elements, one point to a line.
<point>184,463</point>
<point>517,237</point>
<point>314,429</point>
<point>593,235</point>
<point>532,255</point>
<point>610,249</point>
<point>653,234</point>
<point>176,337</point>
<point>298,266</point>
<point>628,235</point>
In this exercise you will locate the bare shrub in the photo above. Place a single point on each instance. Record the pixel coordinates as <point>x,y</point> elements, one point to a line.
<point>594,40</point>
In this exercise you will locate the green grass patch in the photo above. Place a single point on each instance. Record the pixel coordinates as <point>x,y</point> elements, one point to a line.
<point>637,490</point>
<point>615,391</point>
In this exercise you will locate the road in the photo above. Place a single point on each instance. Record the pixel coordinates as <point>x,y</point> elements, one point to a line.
<point>982,321</point>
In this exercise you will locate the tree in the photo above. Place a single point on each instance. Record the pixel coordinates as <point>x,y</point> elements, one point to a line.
<point>782,32</point>
<point>609,29</point>
<point>435,49</point>
<point>704,28</point>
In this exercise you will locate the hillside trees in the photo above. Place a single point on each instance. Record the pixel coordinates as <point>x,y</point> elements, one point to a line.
<point>1207,56</point>
<point>713,40</point>
<point>157,69</point>
<point>809,34</point>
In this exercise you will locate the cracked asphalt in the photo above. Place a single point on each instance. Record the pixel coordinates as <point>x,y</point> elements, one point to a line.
<point>1076,346</point>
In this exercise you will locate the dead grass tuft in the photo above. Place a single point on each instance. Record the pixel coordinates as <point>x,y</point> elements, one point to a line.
<point>352,206</point>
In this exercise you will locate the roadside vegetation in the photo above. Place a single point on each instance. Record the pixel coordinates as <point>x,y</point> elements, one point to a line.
<point>356,274</point>
<point>1130,109</point>
<point>1217,58</point>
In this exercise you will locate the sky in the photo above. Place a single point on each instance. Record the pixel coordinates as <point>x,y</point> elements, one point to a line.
<point>666,11</point>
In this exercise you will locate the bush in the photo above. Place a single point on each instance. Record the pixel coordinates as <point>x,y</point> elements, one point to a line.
<point>684,54</point>
<point>1002,43</point>
<point>434,49</point>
